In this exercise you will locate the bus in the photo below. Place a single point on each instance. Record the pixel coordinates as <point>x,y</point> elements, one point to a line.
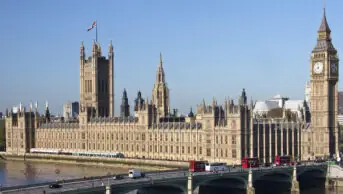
<point>282,160</point>
<point>250,163</point>
<point>215,167</point>
<point>196,166</point>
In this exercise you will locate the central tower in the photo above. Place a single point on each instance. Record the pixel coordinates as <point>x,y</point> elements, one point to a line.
<point>160,93</point>
<point>96,82</point>
<point>324,96</point>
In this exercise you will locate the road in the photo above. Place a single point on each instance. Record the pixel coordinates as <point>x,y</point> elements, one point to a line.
<point>155,176</point>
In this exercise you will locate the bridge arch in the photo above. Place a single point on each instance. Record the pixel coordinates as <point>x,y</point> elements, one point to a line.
<point>311,178</point>
<point>319,171</point>
<point>240,179</point>
<point>182,188</point>
<point>272,182</point>
<point>271,174</point>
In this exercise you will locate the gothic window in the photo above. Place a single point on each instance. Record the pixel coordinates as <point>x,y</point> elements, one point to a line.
<point>234,153</point>
<point>103,86</point>
<point>99,85</point>
<point>208,152</point>
<point>194,150</point>
<point>188,150</point>
<point>200,150</point>
<point>233,139</point>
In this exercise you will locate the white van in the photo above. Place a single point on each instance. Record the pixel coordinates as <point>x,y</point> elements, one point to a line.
<point>135,173</point>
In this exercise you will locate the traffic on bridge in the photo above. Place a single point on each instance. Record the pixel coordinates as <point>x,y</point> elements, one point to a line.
<point>196,168</point>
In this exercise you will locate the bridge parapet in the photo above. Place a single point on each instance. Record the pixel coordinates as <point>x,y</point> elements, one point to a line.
<point>239,178</point>
<point>335,171</point>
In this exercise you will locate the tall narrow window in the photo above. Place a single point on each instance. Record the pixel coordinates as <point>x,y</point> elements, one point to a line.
<point>99,85</point>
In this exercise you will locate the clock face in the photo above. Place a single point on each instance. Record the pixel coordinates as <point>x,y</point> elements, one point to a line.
<point>318,67</point>
<point>333,67</point>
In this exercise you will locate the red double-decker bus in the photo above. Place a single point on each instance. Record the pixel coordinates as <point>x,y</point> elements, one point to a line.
<point>196,166</point>
<point>282,160</point>
<point>250,163</point>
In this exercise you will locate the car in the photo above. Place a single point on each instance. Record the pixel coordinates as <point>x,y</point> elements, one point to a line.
<point>55,186</point>
<point>117,177</point>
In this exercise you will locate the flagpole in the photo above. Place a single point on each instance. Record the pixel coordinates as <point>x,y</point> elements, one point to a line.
<point>96,31</point>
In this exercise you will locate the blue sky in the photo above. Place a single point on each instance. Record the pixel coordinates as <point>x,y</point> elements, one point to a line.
<point>210,48</point>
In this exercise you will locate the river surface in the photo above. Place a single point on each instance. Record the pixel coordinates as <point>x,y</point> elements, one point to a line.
<point>23,172</point>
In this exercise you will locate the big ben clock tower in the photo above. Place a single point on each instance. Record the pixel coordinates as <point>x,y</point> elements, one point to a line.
<point>324,96</point>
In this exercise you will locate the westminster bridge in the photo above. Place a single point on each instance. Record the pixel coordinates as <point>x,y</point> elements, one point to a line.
<point>181,181</point>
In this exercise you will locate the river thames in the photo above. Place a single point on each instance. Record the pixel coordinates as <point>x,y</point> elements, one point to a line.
<point>23,172</point>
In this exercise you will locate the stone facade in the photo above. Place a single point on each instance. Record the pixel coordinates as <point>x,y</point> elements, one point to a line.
<point>321,139</point>
<point>222,133</point>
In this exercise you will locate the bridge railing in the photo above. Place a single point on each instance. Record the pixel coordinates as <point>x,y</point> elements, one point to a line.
<point>45,183</point>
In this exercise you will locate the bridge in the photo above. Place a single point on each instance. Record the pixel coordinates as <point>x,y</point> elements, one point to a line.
<point>189,183</point>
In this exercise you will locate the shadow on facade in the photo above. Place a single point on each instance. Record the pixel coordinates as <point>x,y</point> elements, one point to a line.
<point>273,183</point>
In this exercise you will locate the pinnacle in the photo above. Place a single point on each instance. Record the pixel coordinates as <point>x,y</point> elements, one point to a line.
<point>324,26</point>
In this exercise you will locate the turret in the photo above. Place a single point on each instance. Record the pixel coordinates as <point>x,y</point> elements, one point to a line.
<point>47,112</point>
<point>110,77</point>
<point>243,98</point>
<point>37,121</point>
<point>124,107</point>
<point>82,52</point>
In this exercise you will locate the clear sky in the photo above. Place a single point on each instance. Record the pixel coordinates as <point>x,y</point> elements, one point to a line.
<point>210,48</point>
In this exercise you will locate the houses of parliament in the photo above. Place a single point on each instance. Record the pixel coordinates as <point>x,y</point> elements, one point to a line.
<point>214,132</point>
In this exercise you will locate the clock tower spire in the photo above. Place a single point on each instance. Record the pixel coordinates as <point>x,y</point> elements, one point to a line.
<point>323,136</point>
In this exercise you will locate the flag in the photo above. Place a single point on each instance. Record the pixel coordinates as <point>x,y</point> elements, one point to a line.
<point>93,25</point>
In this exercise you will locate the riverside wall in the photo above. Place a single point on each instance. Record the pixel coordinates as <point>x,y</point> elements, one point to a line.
<point>100,161</point>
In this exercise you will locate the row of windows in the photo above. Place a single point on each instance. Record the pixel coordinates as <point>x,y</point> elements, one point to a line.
<point>141,148</point>
<point>15,135</point>
<point>137,137</point>
<point>15,144</point>
<point>319,150</point>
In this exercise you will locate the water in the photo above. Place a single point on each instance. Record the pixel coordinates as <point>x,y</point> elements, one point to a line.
<point>23,172</point>
<point>20,172</point>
